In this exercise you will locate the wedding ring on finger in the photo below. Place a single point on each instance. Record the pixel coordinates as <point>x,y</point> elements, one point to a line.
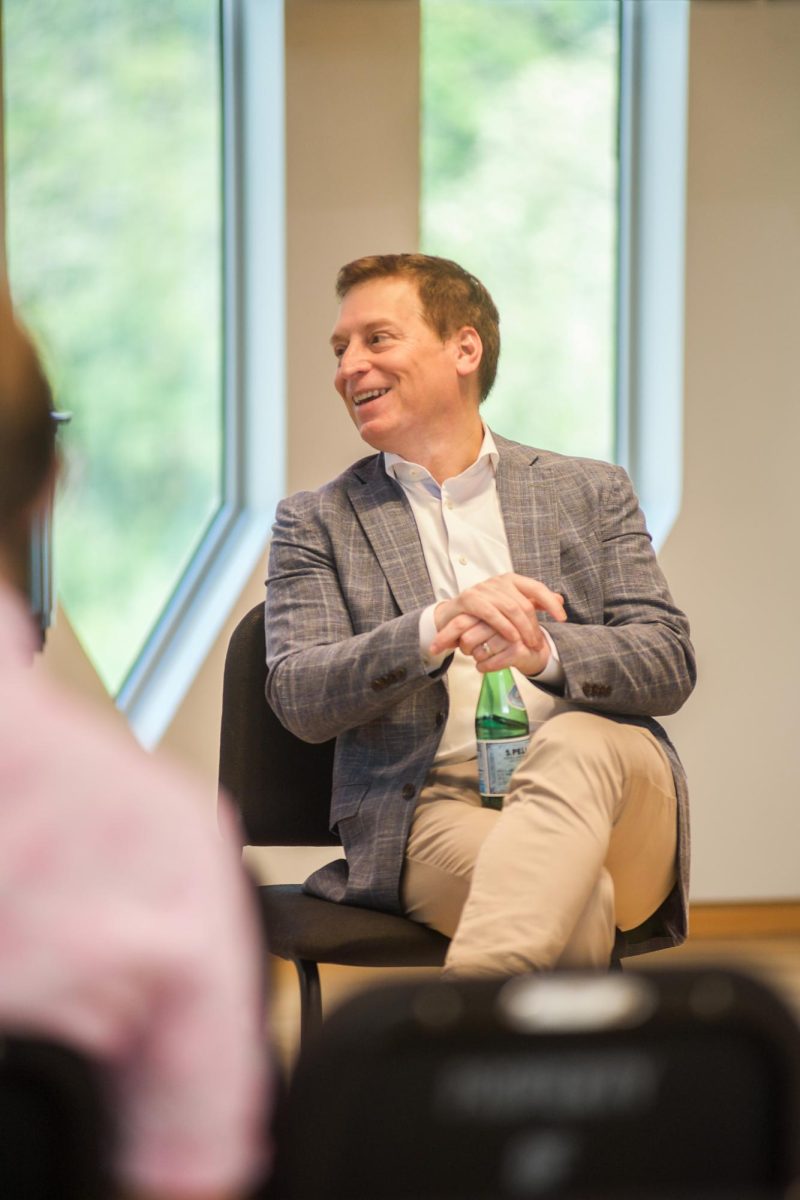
<point>487,650</point>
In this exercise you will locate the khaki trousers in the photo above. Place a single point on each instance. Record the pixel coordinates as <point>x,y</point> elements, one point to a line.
<point>586,841</point>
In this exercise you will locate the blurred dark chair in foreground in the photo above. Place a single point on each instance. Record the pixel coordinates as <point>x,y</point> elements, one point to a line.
<point>282,788</point>
<point>661,1084</point>
<point>54,1130</point>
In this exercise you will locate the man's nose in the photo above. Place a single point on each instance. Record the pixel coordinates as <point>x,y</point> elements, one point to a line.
<point>353,361</point>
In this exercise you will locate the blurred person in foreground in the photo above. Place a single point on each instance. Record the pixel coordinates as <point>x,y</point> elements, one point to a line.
<point>449,553</point>
<point>126,926</point>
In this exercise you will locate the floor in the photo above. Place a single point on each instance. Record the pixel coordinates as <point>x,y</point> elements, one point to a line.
<point>775,959</point>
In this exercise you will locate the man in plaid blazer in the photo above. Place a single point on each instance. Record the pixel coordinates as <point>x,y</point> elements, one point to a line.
<point>449,553</point>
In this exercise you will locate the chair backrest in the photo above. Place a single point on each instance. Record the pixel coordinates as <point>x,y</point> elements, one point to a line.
<point>280,784</point>
<point>55,1133</point>
<point>668,1084</point>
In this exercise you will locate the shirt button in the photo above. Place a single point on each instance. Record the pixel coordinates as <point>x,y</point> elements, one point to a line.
<point>448,503</point>
<point>462,558</point>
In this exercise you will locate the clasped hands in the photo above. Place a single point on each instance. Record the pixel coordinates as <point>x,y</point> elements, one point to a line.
<point>495,622</point>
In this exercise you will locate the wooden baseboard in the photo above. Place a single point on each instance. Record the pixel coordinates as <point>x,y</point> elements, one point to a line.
<point>766,919</point>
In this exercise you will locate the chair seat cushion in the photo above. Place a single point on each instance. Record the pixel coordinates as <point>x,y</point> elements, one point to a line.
<point>300,926</point>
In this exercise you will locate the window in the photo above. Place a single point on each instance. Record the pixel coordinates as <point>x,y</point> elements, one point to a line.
<point>554,167</point>
<point>520,180</point>
<point>114,241</point>
<point>131,190</point>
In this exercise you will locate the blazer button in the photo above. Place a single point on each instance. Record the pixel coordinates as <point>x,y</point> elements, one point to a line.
<point>439,720</point>
<point>408,791</point>
<point>377,685</point>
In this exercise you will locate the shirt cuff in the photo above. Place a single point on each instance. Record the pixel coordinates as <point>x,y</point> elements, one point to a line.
<point>427,632</point>
<point>553,673</point>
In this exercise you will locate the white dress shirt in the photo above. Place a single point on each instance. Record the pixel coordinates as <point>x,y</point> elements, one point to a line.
<point>464,541</point>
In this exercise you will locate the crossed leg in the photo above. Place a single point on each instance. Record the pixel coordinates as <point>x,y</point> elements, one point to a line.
<point>586,841</point>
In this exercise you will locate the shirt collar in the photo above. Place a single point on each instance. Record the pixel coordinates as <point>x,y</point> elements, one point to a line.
<point>407,472</point>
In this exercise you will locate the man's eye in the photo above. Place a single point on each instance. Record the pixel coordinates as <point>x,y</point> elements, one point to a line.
<point>338,351</point>
<point>379,337</point>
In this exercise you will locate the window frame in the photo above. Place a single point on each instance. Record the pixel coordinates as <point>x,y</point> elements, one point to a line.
<point>253,377</point>
<point>647,395</point>
<point>254,373</point>
<point>654,72</point>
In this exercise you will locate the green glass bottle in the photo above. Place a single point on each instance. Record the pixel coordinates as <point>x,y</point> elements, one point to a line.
<point>502,734</point>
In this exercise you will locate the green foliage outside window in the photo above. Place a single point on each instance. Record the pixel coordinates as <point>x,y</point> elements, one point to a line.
<point>519,106</point>
<point>112,133</point>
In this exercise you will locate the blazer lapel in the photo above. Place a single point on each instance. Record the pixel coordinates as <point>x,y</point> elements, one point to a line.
<point>530,512</point>
<point>388,523</point>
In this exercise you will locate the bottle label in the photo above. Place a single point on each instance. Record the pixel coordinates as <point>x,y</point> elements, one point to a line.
<point>497,760</point>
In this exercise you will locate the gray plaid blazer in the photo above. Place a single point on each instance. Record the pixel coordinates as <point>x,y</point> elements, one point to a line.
<point>347,582</point>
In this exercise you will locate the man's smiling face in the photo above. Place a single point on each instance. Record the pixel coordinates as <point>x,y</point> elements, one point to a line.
<point>398,379</point>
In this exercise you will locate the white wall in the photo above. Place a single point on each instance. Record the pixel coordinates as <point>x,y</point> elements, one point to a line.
<point>734,558</point>
<point>352,76</point>
<point>352,124</point>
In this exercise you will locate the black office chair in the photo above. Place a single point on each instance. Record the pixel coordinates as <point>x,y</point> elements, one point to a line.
<point>282,788</point>
<point>659,1085</point>
<point>55,1134</point>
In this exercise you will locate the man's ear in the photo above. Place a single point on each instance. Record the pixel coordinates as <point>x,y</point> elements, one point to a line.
<point>469,350</point>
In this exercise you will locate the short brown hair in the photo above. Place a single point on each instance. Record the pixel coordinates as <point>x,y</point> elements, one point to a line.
<point>27,434</point>
<point>450,297</point>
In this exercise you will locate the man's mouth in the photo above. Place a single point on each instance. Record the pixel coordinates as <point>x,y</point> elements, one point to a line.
<point>362,397</point>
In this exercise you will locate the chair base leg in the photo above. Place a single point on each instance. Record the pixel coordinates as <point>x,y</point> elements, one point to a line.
<point>310,997</point>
